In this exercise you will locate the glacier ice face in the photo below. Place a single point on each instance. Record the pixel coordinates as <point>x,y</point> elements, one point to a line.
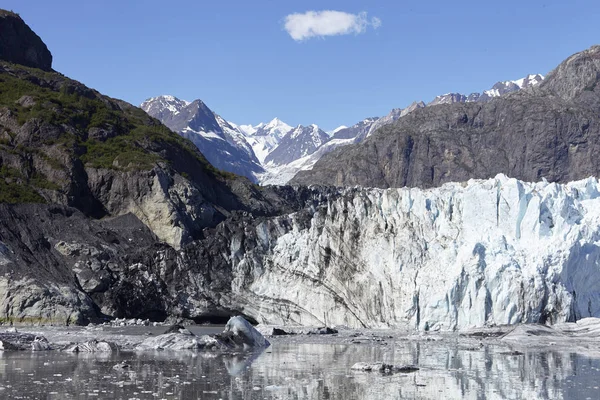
<point>486,252</point>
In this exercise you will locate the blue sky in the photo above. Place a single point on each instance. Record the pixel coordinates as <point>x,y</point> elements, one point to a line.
<point>237,57</point>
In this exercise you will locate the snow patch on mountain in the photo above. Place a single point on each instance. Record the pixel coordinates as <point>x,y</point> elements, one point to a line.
<point>336,130</point>
<point>263,138</point>
<point>207,135</point>
<point>235,136</point>
<point>499,89</point>
<point>282,174</point>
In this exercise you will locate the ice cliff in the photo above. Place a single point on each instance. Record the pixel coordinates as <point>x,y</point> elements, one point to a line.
<point>497,251</point>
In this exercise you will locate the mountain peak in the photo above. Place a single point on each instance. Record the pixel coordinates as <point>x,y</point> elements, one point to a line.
<point>277,123</point>
<point>275,127</point>
<point>21,45</point>
<point>160,106</point>
<point>577,74</point>
<point>529,80</point>
<point>298,142</point>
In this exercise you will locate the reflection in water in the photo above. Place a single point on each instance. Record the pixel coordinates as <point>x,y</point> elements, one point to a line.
<point>302,371</point>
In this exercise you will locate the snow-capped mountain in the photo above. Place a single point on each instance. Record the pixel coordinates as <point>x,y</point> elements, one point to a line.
<point>499,89</point>
<point>265,137</point>
<point>241,149</point>
<point>360,129</point>
<point>365,128</point>
<point>282,174</point>
<point>235,136</point>
<point>162,107</point>
<point>297,143</point>
<point>223,144</point>
<point>273,152</point>
<point>450,98</point>
<point>505,87</point>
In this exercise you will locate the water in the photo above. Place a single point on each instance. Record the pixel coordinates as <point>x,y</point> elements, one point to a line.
<point>291,369</point>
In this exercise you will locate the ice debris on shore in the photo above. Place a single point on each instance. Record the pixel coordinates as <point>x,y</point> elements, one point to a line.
<point>14,340</point>
<point>238,333</point>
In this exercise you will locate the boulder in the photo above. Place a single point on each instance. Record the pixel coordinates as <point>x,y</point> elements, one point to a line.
<point>267,330</point>
<point>177,328</point>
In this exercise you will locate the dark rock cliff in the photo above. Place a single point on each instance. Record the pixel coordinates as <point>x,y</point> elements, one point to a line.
<point>551,131</point>
<point>20,44</point>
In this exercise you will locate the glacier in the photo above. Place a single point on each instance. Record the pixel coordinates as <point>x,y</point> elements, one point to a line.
<point>480,253</point>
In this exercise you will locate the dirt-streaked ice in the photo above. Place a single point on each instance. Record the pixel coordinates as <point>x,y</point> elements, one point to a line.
<point>486,252</point>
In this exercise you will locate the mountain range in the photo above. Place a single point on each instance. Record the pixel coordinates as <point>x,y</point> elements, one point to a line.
<point>547,130</point>
<point>273,153</point>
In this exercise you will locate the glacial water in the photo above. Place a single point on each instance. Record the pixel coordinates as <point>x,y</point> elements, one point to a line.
<point>294,369</point>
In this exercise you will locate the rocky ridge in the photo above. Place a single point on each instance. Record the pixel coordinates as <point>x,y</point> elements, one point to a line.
<point>546,131</point>
<point>20,45</point>
<point>281,150</point>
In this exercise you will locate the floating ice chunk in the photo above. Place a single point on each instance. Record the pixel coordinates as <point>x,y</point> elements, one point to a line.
<point>93,346</point>
<point>383,367</point>
<point>240,333</point>
<point>180,341</point>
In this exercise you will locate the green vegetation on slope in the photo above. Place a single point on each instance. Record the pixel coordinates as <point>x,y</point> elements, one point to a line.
<point>81,125</point>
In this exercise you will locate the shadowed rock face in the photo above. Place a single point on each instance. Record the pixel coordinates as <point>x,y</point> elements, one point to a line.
<point>21,45</point>
<point>549,131</point>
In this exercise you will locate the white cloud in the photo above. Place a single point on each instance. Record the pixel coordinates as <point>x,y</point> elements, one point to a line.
<point>327,23</point>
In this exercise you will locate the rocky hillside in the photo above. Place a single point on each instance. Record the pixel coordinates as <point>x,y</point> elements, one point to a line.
<point>63,143</point>
<point>87,185</point>
<point>551,131</point>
